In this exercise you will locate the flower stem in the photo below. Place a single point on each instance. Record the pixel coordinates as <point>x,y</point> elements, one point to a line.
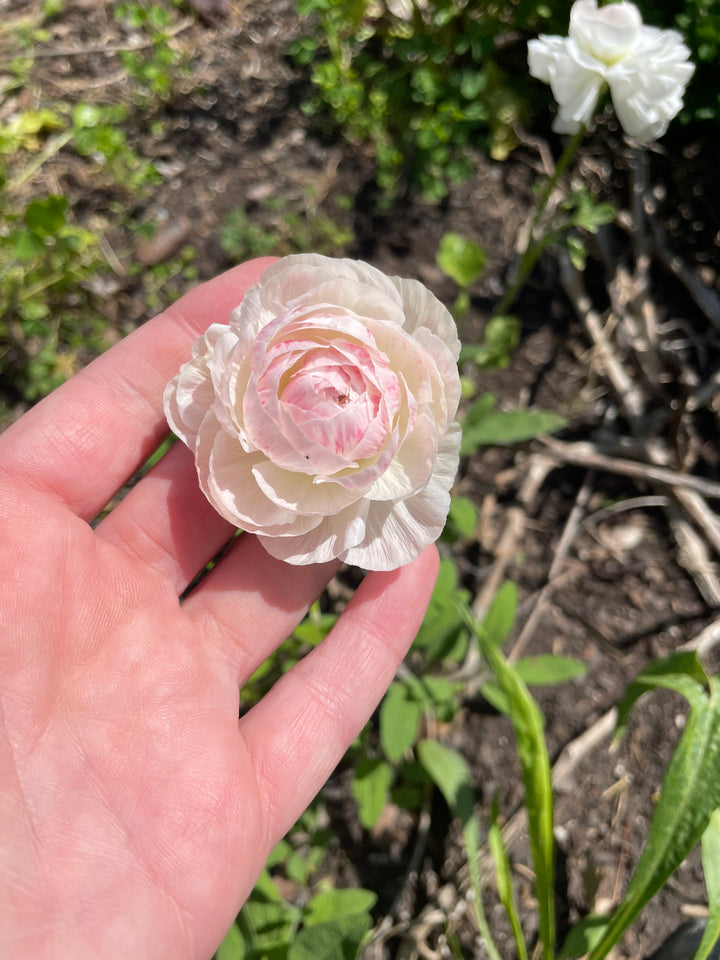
<point>534,248</point>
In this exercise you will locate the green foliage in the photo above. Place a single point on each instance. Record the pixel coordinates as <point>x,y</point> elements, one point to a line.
<point>690,791</point>
<point>331,926</point>
<point>528,726</point>
<point>154,68</point>
<point>500,338</point>
<point>423,92</point>
<point>461,521</point>
<point>461,259</point>
<point>484,425</point>
<point>50,263</point>
<point>291,227</point>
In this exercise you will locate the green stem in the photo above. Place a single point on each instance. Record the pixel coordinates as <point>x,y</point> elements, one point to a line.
<point>533,249</point>
<point>54,146</point>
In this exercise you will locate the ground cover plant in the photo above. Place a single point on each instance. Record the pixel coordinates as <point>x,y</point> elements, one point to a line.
<point>481,812</point>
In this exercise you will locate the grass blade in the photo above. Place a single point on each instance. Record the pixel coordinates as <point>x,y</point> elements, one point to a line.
<point>450,773</point>
<point>528,725</point>
<point>503,880</point>
<point>711,869</point>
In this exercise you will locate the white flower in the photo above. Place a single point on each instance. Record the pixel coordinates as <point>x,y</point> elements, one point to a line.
<point>322,418</point>
<point>645,68</point>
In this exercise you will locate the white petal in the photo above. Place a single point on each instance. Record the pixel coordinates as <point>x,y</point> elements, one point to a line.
<point>397,533</point>
<point>607,34</point>
<point>424,310</point>
<point>299,493</point>
<point>648,88</point>
<point>412,464</point>
<point>226,477</point>
<point>330,540</point>
<point>191,392</point>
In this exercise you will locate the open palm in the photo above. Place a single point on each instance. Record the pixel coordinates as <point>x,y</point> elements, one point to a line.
<point>136,810</point>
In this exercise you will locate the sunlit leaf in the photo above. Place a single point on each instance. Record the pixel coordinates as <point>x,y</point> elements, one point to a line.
<point>399,720</point>
<point>548,668</point>
<point>460,258</point>
<point>370,789</point>
<point>500,617</point>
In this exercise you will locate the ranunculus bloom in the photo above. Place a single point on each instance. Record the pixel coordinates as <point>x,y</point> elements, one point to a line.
<point>645,68</point>
<point>322,418</point>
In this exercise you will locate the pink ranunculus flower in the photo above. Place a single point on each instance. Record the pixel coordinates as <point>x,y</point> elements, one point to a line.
<point>322,418</point>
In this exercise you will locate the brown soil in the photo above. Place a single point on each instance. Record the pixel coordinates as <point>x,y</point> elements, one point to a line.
<point>233,135</point>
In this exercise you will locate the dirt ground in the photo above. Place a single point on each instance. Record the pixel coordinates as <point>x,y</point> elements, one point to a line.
<point>234,136</point>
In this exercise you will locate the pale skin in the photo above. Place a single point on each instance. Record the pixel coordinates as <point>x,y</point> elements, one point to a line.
<point>136,810</point>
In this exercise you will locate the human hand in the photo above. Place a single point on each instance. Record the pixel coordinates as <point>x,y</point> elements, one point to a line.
<point>136,811</point>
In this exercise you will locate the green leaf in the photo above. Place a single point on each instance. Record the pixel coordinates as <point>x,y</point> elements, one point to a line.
<point>450,773</point>
<point>500,338</point>
<point>711,869</point>
<point>528,724</point>
<point>681,672</point>
<point>689,796</point>
<point>46,216</point>
<point>266,927</point>
<point>232,947</point>
<point>370,789</point>
<point>313,629</point>
<point>329,905</point>
<point>503,879</point>
<point>484,426</point>
<point>500,617</point>
<point>87,115</point>
<point>577,251</point>
<point>460,259</point>
<point>443,632</point>
<point>548,668</point>
<point>339,939</point>
<point>493,693</point>
<point>27,246</point>
<point>461,519</point>
<point>583,936</point>
<point>399,721</point>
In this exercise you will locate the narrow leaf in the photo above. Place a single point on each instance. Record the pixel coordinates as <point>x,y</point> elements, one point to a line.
<point>681,672</point>
<point>503,880</point>
<point>532,752</point>
<point>690,794</point>
<point>711,869</point>
<point>547,669</point>
<point>450,773</point>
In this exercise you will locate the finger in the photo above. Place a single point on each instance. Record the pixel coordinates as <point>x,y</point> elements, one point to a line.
<point>300,730</point>
<point>250,602</point>
<point>84,440</point>
<point>166,523</point>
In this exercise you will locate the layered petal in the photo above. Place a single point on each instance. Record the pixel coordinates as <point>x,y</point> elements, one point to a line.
<point>646,69</point>
<point>322,416</point>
